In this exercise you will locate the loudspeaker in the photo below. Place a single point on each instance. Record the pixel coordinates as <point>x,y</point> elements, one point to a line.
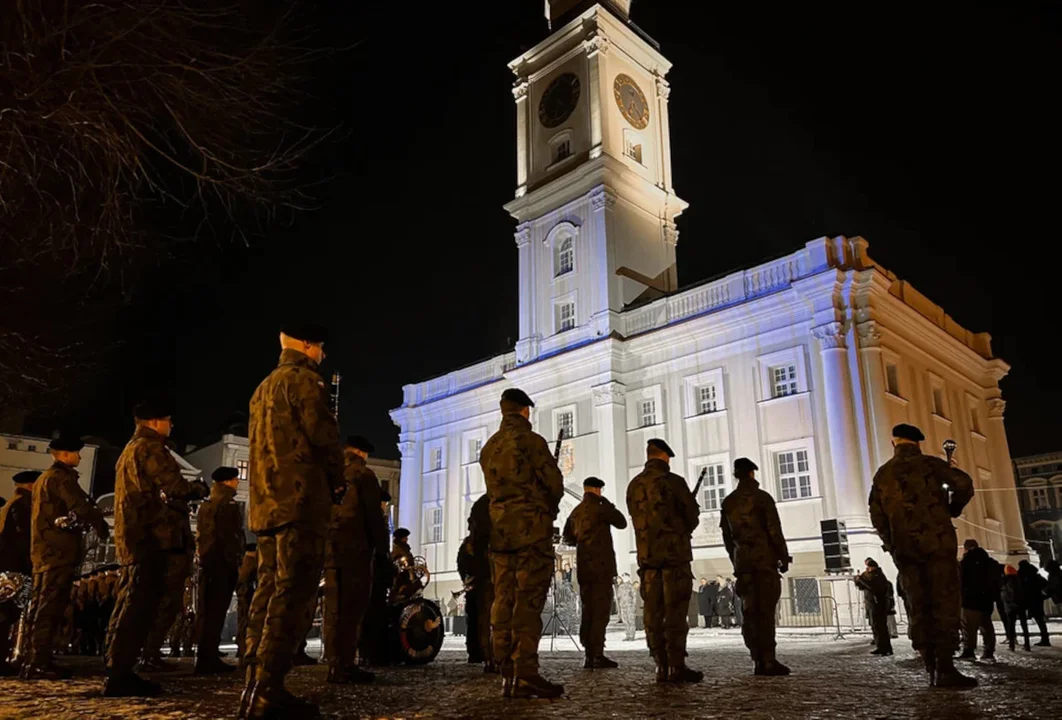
<point>835,547</point>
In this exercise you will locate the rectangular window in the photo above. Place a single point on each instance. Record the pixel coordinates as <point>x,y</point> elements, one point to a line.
<point>805,593</point>
<point>975,421</point>
<point>565,256</point>
<point>474,447</point>
<point>562,151</point>
<point>565,316</point>
<point>566,422</point>
<point>241,468</point>
<point>12,444</point>
<point>714,488</point>
<point>31,448</point>
<point>706,399</point>
<point>892,379</point>
<point>794,474</point>
<point>435,460</point>
<point>1039,499</point>
<point>784,381</point>
<point>434,519</point>
<point>647,415</point>
<point>633,150</point>
<point>938,402</point>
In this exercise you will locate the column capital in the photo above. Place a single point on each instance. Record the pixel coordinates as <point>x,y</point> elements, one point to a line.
<point>408,448</point>
<point>520,89</point>
<point>597,44</point>
<point>523,234</point>
<point>831,335</point>
<point>603,198</point>
<point>996,406</point>
<point>611,393</point>
<point>663,88</point>
<point>869,334</point>
<point>671,233</point>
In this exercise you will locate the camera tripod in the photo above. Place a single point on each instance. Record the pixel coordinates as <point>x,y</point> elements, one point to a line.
<point>555,622</point>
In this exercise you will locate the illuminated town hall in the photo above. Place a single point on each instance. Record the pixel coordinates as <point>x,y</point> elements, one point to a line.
<point>802,364</point>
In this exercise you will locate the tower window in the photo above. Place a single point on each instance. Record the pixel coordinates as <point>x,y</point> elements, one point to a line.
<point>562,150</point>
<point>633,151</point>
<point>565,316</point>
<point>565,256</point>
<point>892,379</point>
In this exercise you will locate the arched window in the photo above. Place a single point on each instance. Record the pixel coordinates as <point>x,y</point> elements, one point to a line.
<point>564,252</point>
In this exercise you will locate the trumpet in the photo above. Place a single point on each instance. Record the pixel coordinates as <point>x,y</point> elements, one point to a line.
<point>469,586</point>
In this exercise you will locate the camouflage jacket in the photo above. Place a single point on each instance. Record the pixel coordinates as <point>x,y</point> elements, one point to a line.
<point>664,514</point>
<point>524,484</point>
<point>55,494</point>
<point>219,529</point>
<point>626,595</point>
<point>15,533</point>
<point>752,531</point>
<point>358,530</point>
<point>248,573</point>
<point>589,529</point>
<point>911,509</point>
<point>295,459</point>
<point>143,523</point>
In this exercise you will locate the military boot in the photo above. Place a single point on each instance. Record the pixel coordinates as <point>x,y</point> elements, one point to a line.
<point>157,665</point>
<point>603,663</point>
<point>349,675</point>
<point>130,685</point>
<point>51,672</point>
<point>771,666</point>
<point>491,668</point>
<point>272,701</point>
<point>683,674</point>
<point>948,676</point>
<point>507,681</point>
<point>662,669</point>
<point>536,686</point>
<point>212,665</point>
<point>248,692</point>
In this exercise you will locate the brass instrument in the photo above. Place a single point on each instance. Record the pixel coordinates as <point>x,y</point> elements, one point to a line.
<point>949,447</point>
<point>334,400</point>
<point>70,522</point>
<point>15,587</point>
<point>468,587</point>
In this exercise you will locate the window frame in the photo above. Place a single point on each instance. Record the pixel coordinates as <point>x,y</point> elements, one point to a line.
<point>243,468</point>
<point>794,356</point>
<point>722,462</point>
<point>642,414</point>
<point>937,385</point>
<point>434,533</point>
<point>773,474</point>
<point>565,410</point>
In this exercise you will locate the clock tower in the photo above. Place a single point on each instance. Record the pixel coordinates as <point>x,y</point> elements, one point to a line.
<point>594,193</point>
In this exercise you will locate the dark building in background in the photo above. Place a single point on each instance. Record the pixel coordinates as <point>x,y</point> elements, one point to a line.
<point>1039,484</point>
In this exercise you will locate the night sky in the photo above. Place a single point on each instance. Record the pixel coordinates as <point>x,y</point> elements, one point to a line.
<point>932,130</point>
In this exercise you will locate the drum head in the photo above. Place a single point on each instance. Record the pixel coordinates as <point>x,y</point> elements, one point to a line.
<point>419,631</point>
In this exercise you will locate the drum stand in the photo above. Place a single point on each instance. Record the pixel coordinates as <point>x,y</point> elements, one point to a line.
<point>555,620</point>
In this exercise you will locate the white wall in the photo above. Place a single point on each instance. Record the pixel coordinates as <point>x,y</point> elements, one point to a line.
<point>16,456</point>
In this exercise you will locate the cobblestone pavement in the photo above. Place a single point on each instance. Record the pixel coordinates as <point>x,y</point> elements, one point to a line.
<point>832,679</point>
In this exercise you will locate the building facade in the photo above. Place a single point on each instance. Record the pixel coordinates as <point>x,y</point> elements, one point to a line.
<point>802,364</point>
<point>1040,496</point>
<point>22,452</point>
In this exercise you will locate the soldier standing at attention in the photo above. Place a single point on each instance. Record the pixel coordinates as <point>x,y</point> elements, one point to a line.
<point>219,529</point>
<point>148,537</point>
<point>356,539</point>
<point>752,534</point>
<point>56,552</point>
<point>589,529</point>
<point>296,475</point>
<point>15,554</point>
<point>912,503</point>
<point>665,514</point>
<point>245,585</point>
<point>525,487</point>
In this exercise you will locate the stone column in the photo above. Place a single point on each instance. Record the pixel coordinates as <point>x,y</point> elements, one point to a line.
<point>523,160</point>
<point>874,392</point>
<point>1003,477</point>
<point>410,486</point>
<point>610,416</point>
<point>663,92</point>
<point>527,345</point>
<point>850,489</point>
<point>596,48</point>
<point>606,293</point>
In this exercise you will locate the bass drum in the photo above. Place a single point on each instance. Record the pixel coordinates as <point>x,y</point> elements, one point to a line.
<point>418,631</point>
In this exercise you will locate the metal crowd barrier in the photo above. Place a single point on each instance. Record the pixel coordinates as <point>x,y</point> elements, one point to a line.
<point>809,612</point>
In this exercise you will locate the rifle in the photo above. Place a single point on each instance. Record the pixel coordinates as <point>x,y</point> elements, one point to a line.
<point>704,471</point>
<point>557,447</point>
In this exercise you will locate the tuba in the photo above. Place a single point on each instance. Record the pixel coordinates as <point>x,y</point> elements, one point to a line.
<point>15,587</point>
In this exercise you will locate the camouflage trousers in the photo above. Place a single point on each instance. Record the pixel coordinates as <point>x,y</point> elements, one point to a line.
<point>177,568</point>
<point>759,592</point>
<point>244,595</point>
<point>9,616</point>
<point>521,582</point>
<point>49,602</point>
<point>290,561</point>
<point>478,605</point>
<point>140,588</point>
<point>666,594</point>
<point>628,615</point>
<point>347,593</point>
<point>216,585</point>
<point>933,595</point>
<point>596,599</point>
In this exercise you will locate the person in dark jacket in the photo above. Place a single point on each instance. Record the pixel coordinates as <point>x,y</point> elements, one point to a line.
<point>875,587</point>
<point>1033,586</point>
<point>15,554</point>
<point>704,603</point>
<point>1054,581</point>
<point>724,602</point>
<point>1013,606</point>
<point>980,590</point>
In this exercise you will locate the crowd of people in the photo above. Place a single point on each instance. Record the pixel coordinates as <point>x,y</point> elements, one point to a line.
<point>318,516</point>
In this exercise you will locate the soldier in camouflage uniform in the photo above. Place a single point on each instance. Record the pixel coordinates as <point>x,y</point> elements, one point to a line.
<point>664,514</point>
<point>220,543</point>
<point>15,555</point>
<point>912,503</point>
<point>752,534</point>
<point>55,552</point>
<point>296,474</point>
<point>357,538</point>
<point>148,538</point>
<point>589,529</point>
<point>246,581</point>
<point>627,603</point>
<point>525,487</point>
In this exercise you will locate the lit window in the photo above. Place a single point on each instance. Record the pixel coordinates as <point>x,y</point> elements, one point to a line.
<point>241,469</point>
<point>565,316</point>
<point>31,448</point>
<point>892,379</point>
<point>938,401</point>
<point>565,256</point>
<point>562,150</point>
<point>566,423</point>
<point>794,474</point>
<point>784,381</point>
<point>707,399</point>
<point>434,519</point>
<point>474,447</point>
<point>714,488</point>
<point>435,460</point>
<point>647,415</point>
<point>1039,499</point>
<point>632,150</point>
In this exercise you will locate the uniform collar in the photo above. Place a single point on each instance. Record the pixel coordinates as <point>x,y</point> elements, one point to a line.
<point>143,431</point>
<point>24,491</point>
<point>221,491</point>
<point>63,467</point>
<point>749,483</point>
<point>294,357</point>
<point>516,420</point>
<point>355,459</point>
<point>591,497</point>
<point>657,464</point>
<point>906,450</point>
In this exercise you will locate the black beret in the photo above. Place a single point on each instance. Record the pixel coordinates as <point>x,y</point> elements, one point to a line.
<point>154,408</point>
<point>658,444</point>
<point>70,443</point>
<point>224,473</point>
<point>593,482</point>
<point>517,396</point>
<point>744,465</point>
<point>359,443</point>
<point>908,432</point>
<point>306,331</point>
<point>26,476</point>
<point>385,496</point>
<point>401,533</point>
